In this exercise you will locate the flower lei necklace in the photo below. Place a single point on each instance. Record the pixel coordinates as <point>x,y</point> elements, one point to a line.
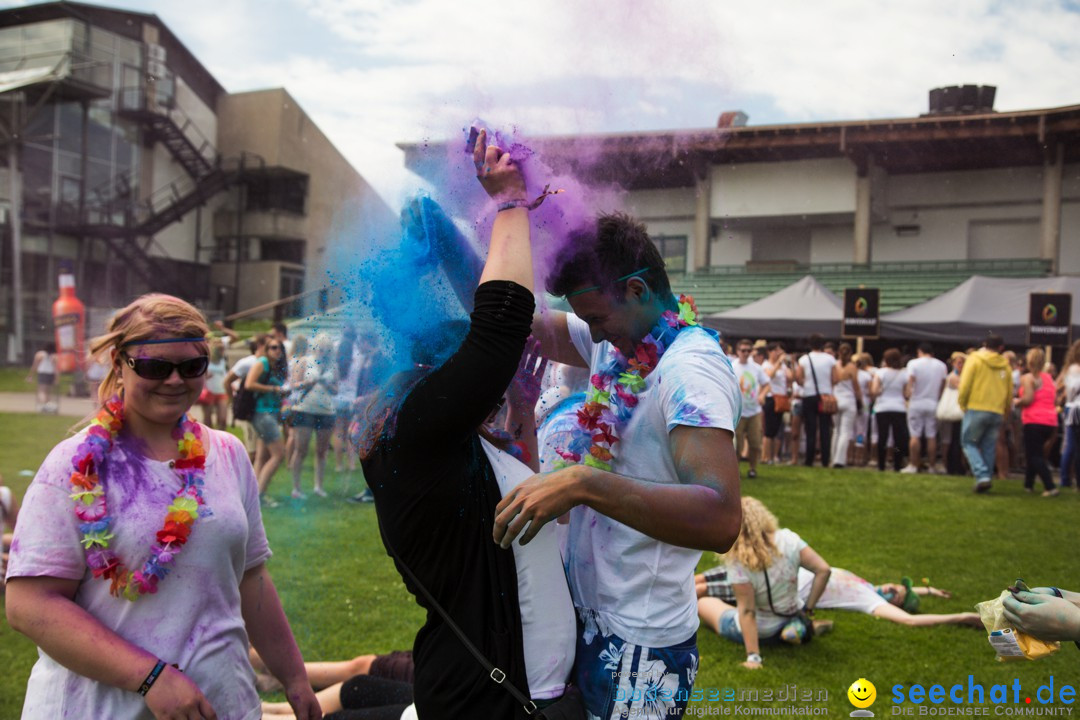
<point>612,394</point>
<point>93,512</point>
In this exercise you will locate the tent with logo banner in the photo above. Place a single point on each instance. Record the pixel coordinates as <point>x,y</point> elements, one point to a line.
<point>802,308</point>
<point>978,306</point>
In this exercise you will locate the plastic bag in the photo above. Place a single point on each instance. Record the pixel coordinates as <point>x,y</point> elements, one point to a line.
<point>1008,642</point>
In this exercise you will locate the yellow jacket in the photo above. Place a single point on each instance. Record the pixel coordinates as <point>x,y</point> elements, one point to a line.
<point>986,383</point>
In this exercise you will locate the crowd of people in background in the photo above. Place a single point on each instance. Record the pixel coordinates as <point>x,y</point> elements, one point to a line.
<point>984,411</point>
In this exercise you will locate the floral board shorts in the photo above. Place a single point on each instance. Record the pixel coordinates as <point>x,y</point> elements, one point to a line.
<point>619,679</point>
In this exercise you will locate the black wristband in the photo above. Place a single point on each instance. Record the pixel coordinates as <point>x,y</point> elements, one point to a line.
<point>151,678</point>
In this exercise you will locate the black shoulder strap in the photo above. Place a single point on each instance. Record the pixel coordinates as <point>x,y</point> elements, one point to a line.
<point>817,391</point>
<point>493,672</point>
<point>768,591</point>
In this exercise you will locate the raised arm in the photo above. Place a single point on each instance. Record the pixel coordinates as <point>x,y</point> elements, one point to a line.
<point>553,332</point>
<point>455,398</point>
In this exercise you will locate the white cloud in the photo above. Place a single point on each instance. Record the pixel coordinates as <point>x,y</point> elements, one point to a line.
<point>376,72</point>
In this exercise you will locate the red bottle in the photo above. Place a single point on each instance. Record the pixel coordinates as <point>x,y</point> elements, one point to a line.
<point>69,320</point>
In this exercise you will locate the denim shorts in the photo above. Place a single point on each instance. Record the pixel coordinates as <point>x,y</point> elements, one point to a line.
<point>728,627</point>
<point>267,426</point>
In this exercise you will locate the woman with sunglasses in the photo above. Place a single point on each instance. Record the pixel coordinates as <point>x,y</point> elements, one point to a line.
<point>268,383</point>
<point>138,567</point>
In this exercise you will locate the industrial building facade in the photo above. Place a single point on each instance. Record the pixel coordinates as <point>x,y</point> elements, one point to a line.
<point>136,168</point>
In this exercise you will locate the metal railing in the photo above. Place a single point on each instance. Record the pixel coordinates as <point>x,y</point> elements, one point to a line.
<point>973,267</point>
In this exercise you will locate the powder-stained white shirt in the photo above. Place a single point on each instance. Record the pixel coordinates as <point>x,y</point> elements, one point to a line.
<point>643,589</point>
<point>194,618</point>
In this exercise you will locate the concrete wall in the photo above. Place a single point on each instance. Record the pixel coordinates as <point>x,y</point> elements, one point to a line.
<point>271,124</point>
<point>179,239</point>
<point>1069,257</point>
<point>977,214</point>
<point>783,188</point>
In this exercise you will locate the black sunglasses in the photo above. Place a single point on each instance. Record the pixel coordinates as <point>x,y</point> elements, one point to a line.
<point>157,369</point>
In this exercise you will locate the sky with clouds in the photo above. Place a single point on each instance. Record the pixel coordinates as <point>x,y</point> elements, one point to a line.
<point>373,73</point>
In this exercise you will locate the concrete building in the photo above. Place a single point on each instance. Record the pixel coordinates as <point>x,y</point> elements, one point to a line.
<point>911,205</point>
<point>138,169</point>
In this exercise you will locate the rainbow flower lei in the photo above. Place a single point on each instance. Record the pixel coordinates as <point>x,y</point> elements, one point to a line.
<point>612,394</point>
<point>92,510</point>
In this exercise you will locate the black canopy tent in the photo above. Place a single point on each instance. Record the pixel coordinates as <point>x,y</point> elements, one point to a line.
<point>978,306</point>
<point>804,307</point>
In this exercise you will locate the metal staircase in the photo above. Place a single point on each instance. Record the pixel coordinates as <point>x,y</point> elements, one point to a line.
<point>128,225</point>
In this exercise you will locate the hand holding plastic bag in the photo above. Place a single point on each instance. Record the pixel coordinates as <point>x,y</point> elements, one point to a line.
<point>1009,642</point>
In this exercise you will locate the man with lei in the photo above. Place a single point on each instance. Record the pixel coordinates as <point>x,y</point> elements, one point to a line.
<point>649,476</point>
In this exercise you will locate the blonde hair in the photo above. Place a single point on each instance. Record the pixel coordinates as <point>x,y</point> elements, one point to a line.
<point>322,345</point>
<point>1036,360</point>
<point>150,315</point>
<point>755,548</point>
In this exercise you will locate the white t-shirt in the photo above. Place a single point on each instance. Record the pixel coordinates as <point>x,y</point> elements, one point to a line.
<point>548,625</point>
<point>5,512</point>
<point>823,365</point>
<point>643,589</point>
<point>865,376</point>
<point>194,618</point>
<point>845,591</point>
<point>751,379</point>
<point>215,377</point>
<point>891,398</point>
<point>929,375</point>
<point>241,369</point>
<point>783,581</point>
<point>778,383</point>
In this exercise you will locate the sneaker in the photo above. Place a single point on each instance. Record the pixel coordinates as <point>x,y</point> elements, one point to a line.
<point>320,492</point>
<point>822,627</point>
<point>1051,493</point>
<point>909,470</point>
<point>751,473</point>
<point>299,495</point>
<point>982,486</point>
<point>268,501</point>
<point>364,497</point>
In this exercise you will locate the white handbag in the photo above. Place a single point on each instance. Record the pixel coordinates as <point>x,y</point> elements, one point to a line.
<point>948,407</point>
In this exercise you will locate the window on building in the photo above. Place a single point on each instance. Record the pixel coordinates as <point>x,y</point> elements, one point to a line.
<point>287,193</point>
<point>291,251</point>
<point>673,249</point>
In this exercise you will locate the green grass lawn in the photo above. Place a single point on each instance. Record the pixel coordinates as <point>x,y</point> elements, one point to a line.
<point>13,379</point>
<point>344,598</point>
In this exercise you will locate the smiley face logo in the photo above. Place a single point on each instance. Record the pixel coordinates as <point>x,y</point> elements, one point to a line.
<point>861,306</point>
<point>862,693</point>
<point>1049,313</point>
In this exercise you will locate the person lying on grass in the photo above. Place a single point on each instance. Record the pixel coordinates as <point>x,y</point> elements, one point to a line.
<point>367,687</point>
<point>895,602</point>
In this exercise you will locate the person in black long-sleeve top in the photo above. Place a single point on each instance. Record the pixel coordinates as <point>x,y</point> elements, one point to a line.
<point>436,490</point>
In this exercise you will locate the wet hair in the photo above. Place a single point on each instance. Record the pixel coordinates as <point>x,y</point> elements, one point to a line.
<point>993,342</point>
<point>816,341</point>
<point>617,246</point>
<point>148,316</point>
<point>892,358</point>
<point>755,548</point>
